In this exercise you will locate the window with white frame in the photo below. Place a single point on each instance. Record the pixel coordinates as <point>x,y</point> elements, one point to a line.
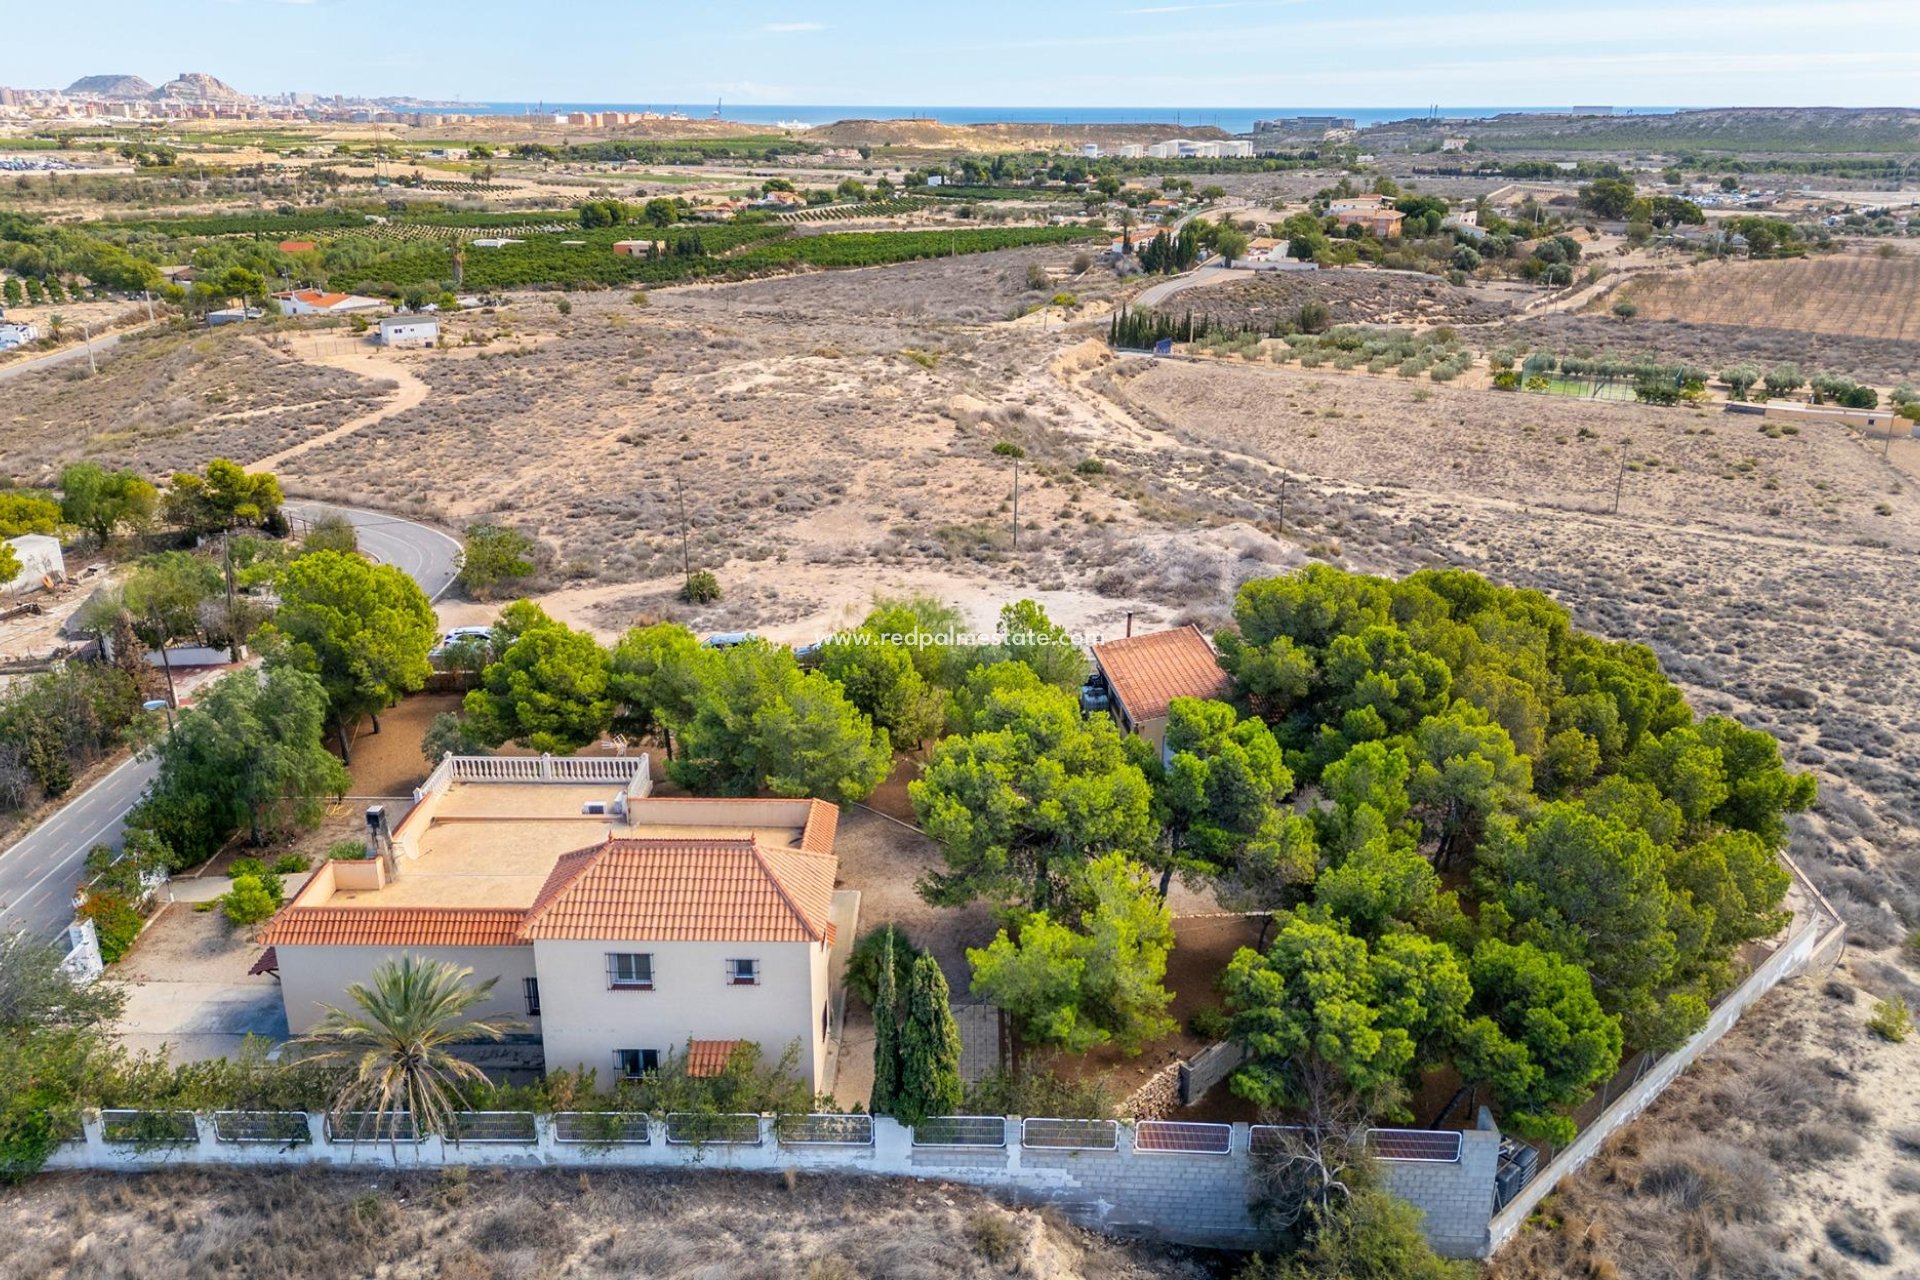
<point>635,1063</point>
<point>743,973</point>
<point>630,970</point>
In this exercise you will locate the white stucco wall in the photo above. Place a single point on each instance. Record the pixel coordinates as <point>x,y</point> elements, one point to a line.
<point>312,977</point>
<point>586,1022</point>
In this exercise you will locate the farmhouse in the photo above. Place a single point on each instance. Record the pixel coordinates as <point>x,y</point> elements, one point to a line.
<point>409,331</point>
<point>1384,223</point>
<point>318,302</point>
<point>619,928</point>
<point>1143,674</point>
<point>638,248</point>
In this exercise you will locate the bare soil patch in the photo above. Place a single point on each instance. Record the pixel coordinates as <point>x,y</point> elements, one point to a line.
<point>523,1224</point>
<point>175,399</point>
<point>1266,299</point>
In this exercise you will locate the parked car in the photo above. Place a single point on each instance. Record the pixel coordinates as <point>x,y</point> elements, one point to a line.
<point>458,634</point>
<point>729,639</point>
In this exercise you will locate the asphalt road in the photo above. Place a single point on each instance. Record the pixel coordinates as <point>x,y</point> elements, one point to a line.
<point>38,873</point>
<point>101,346</point>
<point>430,557</point>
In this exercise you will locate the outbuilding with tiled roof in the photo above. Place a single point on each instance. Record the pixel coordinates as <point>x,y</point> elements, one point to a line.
<point>1144,674</point>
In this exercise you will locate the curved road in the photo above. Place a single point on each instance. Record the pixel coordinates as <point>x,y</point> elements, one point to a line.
<point>39,872</point>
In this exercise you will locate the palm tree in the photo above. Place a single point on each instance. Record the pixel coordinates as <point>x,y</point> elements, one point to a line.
<point>56,323</point>
<point>396,1044</point>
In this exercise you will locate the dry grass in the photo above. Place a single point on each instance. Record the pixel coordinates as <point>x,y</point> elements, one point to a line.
<point>174,399</point>
<point>528,1225</point>
<point>1857,295</point>
<point>1351,297</point>
<point>1698,1187</point>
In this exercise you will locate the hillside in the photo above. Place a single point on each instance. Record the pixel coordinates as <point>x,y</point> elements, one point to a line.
<point>112,86</point>
<point>997,137</point>
<point>1789,130</point>
<point>197,86</point>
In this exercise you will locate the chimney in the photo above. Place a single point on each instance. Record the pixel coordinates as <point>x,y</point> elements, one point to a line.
<point>1129,624</point>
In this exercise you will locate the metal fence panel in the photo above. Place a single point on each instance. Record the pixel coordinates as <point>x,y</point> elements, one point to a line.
<point>493,1126</point>
<point>1264,1139</point>
<point>1070,1135</point>
<point>279,1128</point>
<point>603,1128</point>
<point>960,1131</point>
<point>687,1128</point>
<point>1183,1137</point>
<point>1418,1146</point>
<point>368,1126</point>
<point>149,1128</point>
<point>824,1131</point>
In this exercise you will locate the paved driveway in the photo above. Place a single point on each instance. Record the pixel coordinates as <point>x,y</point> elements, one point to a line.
<point>187,982</point>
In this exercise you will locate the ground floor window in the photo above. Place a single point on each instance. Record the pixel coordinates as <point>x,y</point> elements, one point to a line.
<point>635,1063</point>
<point>531,987</point>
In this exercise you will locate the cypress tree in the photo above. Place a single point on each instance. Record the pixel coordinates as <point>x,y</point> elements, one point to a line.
<point>886,1040</point>
<point>929,1048</point>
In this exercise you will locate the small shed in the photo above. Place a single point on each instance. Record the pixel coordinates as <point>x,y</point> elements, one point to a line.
<point>39,556</point>
<point>409,331</point>
<point>1144,674</point>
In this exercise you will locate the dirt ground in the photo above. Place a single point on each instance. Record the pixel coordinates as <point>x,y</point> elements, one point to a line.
<point>1266,299</point>
<point>389,763</point>
<point>541,1225</point>
<point>1791,1150</point>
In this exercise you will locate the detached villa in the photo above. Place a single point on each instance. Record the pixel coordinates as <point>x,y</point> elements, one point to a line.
<point>622,929</point>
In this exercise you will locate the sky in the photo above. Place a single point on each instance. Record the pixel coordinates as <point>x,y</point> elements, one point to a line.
<point>1224,53</point>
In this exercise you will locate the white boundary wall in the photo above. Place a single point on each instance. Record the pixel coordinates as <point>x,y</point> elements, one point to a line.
<point>1184,1197</point>
<point>1814,942</point>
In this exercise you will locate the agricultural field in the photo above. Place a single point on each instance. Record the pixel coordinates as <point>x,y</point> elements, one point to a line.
<point>1882,362</point>
<point>1855,295</point>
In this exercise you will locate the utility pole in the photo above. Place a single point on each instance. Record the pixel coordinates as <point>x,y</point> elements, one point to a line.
<point>148,295</point>
<point>686,563</point>
<point>1619,481</point>
<point>1016,503</point>
<point>233,632</point>
<point>1283,504</point>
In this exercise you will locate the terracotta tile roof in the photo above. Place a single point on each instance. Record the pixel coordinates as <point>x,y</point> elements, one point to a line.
<point>685,891</point>
<point>709,1057</point>
<point>269,962</point>
<point>823,820</point>
<point>394,927</point>
<point>1148,672</point>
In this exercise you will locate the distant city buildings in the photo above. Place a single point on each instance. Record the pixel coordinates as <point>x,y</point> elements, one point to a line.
<point>1173,149</point>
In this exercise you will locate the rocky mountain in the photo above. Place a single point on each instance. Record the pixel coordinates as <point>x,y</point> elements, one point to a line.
<point>112,86</point>
<point>195,86</point>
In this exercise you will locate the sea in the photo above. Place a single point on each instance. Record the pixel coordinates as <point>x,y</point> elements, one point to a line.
<point>1229,119</point>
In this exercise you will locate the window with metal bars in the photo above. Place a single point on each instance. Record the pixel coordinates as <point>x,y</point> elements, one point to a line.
<point>743,973</point>
<point>630,970</point>
<point>635,1063</point>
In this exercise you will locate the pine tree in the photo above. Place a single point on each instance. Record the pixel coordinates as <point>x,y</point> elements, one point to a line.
<point>929,1048</point>
<point>886,1040</point>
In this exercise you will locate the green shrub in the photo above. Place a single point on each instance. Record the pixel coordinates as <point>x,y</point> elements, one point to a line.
<point>248,901</point>
<point>701,587</point>
<point>346,851</point>
<point>1890,1020</point>
<point>115,922</point>
<point>1625,310</point>
<point>863,966</point>
<point>1209,1022</point>
<point>1090,467</point>
<point>290,864</point>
